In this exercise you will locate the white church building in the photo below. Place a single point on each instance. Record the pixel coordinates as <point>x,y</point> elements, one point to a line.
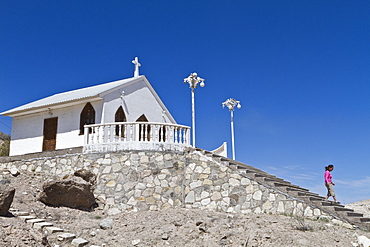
<point>119,115</point>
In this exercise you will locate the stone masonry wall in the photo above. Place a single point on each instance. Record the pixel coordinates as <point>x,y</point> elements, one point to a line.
<point>139,180</point>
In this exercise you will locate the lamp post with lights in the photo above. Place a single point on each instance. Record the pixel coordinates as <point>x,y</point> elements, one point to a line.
<point>193,79</point>
<point>230,104</point>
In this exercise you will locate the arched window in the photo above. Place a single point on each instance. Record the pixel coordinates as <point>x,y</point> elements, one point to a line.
<point>87,116</point>
<point>120,117</point>
<point>142,118</point>
<point>144,129</point>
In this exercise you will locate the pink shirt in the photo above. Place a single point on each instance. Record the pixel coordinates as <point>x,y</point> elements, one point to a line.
<point>327,177</point>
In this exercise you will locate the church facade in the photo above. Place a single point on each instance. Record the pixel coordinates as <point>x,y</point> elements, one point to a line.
<point>59,121</point>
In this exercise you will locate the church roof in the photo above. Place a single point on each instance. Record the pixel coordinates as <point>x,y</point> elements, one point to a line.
<point>82,93</point>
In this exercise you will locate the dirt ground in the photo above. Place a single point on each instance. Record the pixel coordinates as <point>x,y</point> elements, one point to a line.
<point>170,227</point>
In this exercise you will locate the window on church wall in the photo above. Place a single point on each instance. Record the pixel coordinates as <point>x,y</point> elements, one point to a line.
<point>144,129</point>
<point>118,118</point>
<point>87,116</point>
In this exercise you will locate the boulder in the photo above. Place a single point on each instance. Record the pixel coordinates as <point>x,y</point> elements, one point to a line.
<point>86,175</point>
<point>6,199</point>
<point>73,192</point>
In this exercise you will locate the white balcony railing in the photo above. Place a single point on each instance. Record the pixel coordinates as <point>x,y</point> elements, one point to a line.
<point>135,136</point>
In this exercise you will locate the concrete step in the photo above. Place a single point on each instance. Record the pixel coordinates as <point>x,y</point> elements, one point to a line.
<point>280,184</point>
<point>353,214</point>
<point>18,213</point>
<point>307,193</point>
<point>336,208</point>
<point>41,225</point>
<point>27,217</point>
<point>53,229</point>
<point>33,221</point>
<point>66,236</point>
<point>269,178</point>
<point>309,198</point>
<point>330,203</point>
<point>79,242</point>
<point>293,189</point>
<point>365,220</point>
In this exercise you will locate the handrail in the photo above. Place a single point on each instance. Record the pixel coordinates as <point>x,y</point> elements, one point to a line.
<point>134,135</point>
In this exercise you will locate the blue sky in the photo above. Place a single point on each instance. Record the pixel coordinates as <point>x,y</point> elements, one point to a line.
<point>299,68</point>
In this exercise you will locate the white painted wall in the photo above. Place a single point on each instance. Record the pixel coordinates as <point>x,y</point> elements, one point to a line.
<point>137,100</point>
<point>27,130</point>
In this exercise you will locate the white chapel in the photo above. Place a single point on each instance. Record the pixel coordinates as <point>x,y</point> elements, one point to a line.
<point>118,115</point>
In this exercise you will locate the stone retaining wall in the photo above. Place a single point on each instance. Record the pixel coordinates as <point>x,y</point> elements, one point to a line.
<point>139,180</point>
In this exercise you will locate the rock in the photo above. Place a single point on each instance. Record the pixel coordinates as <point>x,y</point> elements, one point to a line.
<point>66,236</point>
<point>73,192</point>
<point>113,211</point>
<point>106,224</point>
<point>4,181</point>
<point>363,241</point>
<point>135,242</point>
<point>223,241</point>
<point>6,199</point>
<point>165,236</point>
<point>86,175</point>
<point>14,171</point>
<point>79,242</point>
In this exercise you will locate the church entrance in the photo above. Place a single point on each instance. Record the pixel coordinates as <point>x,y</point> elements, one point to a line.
<point>50,134</point>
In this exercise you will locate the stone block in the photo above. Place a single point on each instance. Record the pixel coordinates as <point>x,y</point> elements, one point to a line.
<point>66,236</point>
<point>257,195</point>
<point>206,201</point>
<point>195,184</point>
<point>116,167</point>
<point>33,221</point>
<point>20,213</point>
<point>190,197</point>
<point>207,182</point>
<point>234,182</point>
<point>79,242</point>
<point>27,217</point>
<point>52,229</point>
<point>40,225</point>
<point>111,183</point>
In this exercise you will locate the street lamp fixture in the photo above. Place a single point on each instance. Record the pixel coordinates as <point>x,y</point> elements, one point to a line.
<point>193,79</point>
<point>230,104</point>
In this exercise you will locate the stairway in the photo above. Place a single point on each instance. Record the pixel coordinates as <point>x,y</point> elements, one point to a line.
<point>55,234</point>
<point>335,210</point>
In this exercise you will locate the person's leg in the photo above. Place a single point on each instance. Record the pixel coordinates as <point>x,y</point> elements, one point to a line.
<point>332,192</point>
<point>328,193</point>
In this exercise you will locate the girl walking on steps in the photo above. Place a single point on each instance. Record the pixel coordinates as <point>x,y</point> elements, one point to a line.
<point>329,183</point>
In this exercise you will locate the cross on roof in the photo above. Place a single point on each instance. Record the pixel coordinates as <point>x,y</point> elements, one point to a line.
<point>137,64</point>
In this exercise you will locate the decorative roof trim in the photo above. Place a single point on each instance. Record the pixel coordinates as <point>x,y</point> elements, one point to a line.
<point>69,96</point>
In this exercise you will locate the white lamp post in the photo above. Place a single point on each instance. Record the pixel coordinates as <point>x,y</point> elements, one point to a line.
<point>193,81</point>
<point>231,103</point>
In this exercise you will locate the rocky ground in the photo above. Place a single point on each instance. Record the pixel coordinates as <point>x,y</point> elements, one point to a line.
<point>170,227</point>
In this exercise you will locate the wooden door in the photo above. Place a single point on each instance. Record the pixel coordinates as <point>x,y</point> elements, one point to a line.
<point>50,134</point>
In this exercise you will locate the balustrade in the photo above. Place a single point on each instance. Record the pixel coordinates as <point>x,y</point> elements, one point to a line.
<point>135,135</point>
